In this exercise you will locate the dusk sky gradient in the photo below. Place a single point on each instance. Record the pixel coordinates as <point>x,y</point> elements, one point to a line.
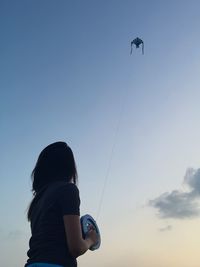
<point>66,74</point>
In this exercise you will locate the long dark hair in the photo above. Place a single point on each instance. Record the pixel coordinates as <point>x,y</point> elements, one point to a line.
<point>55,163</point>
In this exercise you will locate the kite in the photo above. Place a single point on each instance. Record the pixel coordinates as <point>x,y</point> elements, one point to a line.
<point>137,42</point>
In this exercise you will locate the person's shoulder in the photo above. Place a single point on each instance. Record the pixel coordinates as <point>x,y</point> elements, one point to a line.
<point>68,191</point>
<point>70,185</point>
<point>59,187</point>
<point>66,186</point>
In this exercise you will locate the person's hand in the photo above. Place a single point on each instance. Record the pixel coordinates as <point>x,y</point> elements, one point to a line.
<point>92,235</point>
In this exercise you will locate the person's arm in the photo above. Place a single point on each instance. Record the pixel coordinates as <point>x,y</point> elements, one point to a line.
<point>76,244</point>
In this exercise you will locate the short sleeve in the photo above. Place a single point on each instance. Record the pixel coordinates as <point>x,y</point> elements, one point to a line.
<point>68,200</point>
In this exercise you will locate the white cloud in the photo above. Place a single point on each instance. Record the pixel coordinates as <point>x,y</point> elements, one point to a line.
<point>165,229</point>
<point>15,234</point>
<point>180,205</point>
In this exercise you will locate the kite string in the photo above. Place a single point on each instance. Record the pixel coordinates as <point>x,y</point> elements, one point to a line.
<point>110,161</point>
<point>112,150</point>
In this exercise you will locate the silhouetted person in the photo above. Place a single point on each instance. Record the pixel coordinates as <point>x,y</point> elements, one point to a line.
<point>54,212</point>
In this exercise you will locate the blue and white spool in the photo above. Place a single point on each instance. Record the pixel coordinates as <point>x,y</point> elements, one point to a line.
<point>86,222</point>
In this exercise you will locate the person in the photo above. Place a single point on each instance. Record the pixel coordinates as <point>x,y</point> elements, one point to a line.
<point>54,212</point>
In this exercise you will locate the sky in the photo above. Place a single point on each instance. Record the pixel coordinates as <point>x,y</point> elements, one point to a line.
<point>132,121</point>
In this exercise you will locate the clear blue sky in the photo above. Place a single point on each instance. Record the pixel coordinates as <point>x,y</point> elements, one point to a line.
<point>66,74</point>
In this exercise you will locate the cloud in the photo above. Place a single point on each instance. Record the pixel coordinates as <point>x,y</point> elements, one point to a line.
<point>192,179</point>
<point>15,234</point>
<point>12,235</point>
<point>165,229</point>
<point>180,205</point>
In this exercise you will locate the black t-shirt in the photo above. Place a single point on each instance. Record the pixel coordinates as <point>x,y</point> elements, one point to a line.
<point>48,243</point>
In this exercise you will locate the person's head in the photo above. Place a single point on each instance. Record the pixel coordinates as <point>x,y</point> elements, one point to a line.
<point>55,163</point>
